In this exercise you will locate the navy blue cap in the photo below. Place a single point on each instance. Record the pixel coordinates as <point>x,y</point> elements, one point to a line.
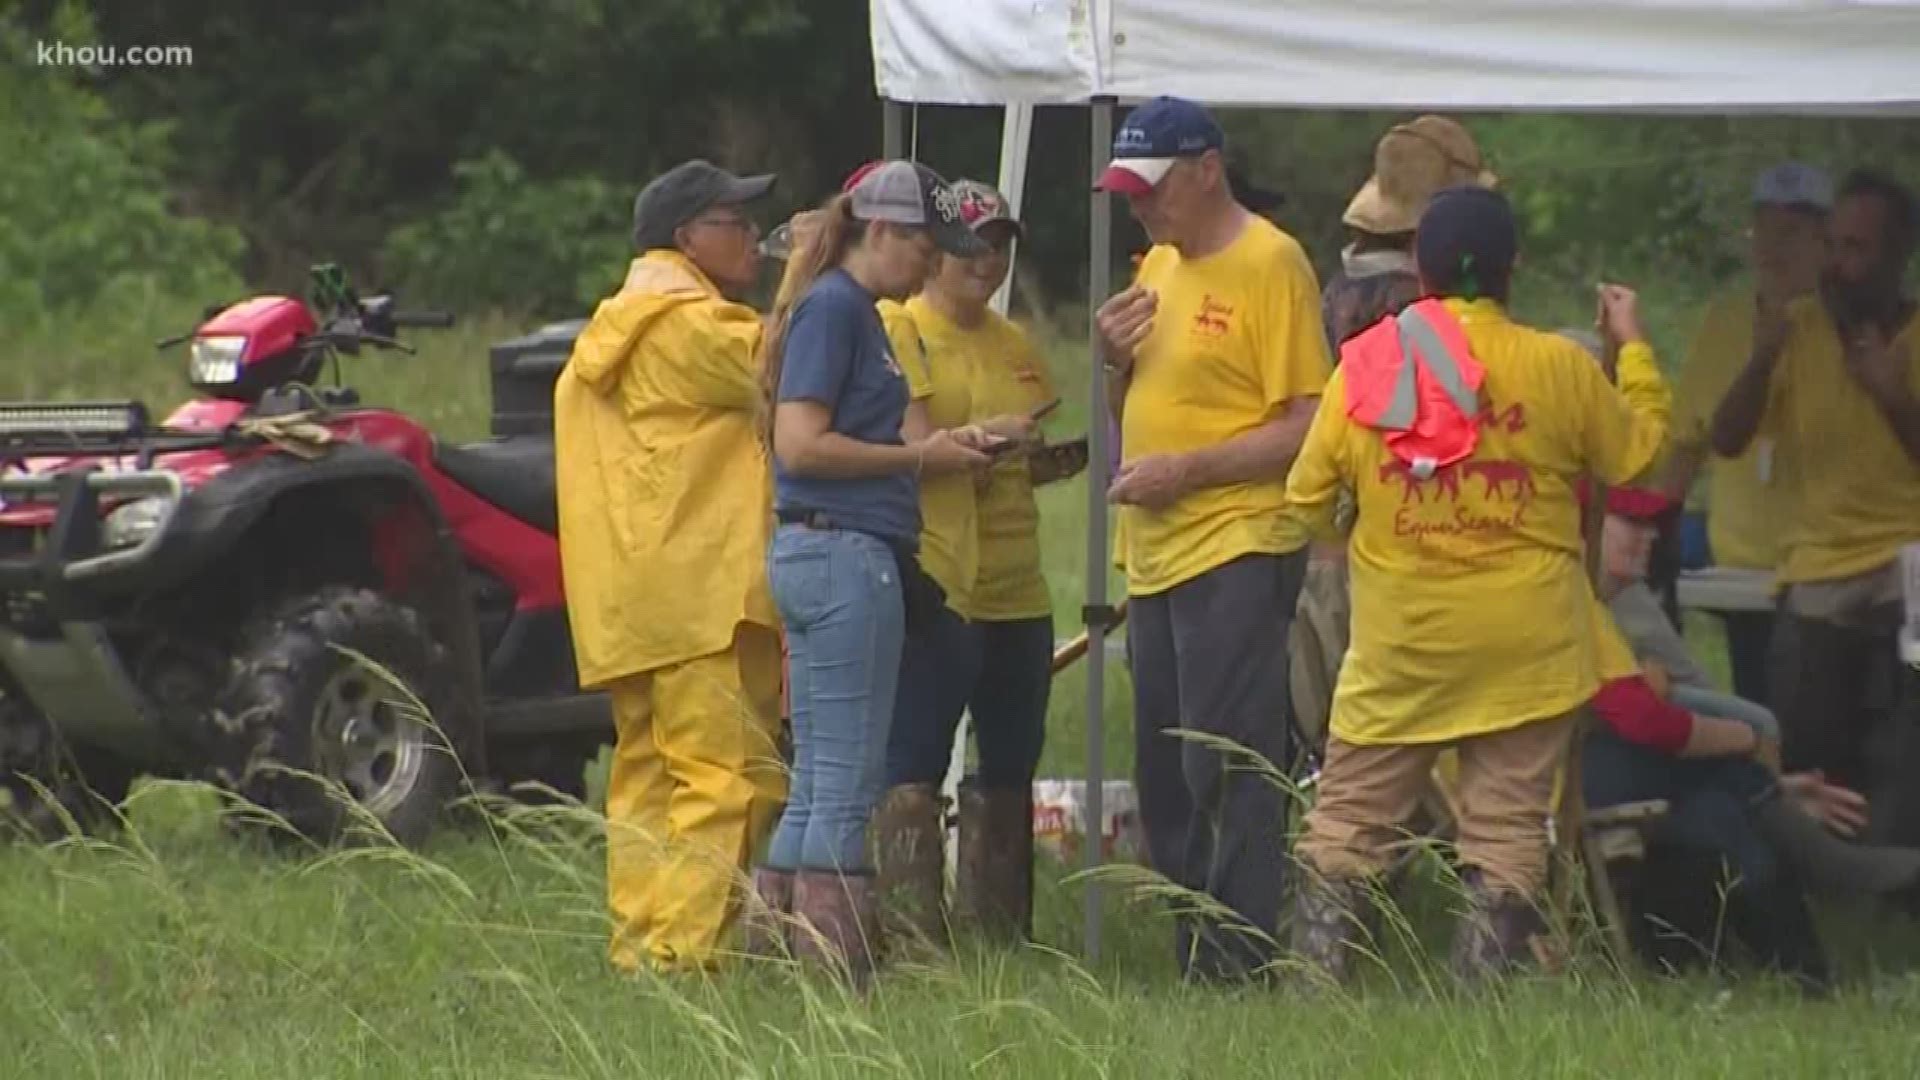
<point>1153,137</point>
<point>1466,243</point>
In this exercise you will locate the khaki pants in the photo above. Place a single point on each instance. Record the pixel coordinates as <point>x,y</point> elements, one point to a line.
<point>1506,792</point>
<point>695,786</point>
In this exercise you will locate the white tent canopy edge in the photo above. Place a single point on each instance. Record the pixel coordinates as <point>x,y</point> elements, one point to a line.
<point>1721,56</point>
<point>1763,57</point>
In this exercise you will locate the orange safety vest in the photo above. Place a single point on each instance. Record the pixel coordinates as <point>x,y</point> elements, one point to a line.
<point>1413,376</point>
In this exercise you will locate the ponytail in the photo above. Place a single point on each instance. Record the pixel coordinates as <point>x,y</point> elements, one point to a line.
<point>821,250</point>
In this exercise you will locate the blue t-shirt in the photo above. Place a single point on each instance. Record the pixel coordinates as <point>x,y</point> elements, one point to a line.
<point>836,353</point>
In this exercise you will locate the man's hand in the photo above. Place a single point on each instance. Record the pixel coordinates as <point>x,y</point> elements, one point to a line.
<point>1619,319</point>
<point>1154,482</point>
<point>1876,365</point>
<point>1842,810</point>
<point>1124,322</point>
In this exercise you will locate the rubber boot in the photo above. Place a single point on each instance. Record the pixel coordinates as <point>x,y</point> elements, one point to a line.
<point>910,860</point>
<point>768,912</point>
<point>837,924</point>
<point>1830,865</point>
<point>1328,927</point>
<point>1498,934</point>
<point>994,891</point>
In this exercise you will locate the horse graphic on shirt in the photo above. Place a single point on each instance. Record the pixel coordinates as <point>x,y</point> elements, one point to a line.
<point>1412,488</point>
<point>1499,474</point>
<point>1498,477</point>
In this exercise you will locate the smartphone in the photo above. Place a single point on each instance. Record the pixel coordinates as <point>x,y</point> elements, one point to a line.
<point>1041,412</point>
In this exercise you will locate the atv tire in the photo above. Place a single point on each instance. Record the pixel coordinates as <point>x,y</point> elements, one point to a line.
<point>312,693</point>
<point>46,790</point>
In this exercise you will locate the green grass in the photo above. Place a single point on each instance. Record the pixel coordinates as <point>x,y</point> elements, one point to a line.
<point>170,949</point>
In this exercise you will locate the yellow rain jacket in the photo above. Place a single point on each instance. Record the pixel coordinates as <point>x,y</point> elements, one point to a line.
<point>664,484</point>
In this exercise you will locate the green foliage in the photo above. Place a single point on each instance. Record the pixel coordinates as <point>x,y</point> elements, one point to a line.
<point>321,128</point>
<point>89,212</point>
<point>507,242</point>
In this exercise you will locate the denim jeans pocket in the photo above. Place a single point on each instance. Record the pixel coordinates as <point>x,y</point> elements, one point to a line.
<point>800,570</point>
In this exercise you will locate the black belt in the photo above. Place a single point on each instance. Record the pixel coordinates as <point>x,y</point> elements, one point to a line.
<point>808,519</point>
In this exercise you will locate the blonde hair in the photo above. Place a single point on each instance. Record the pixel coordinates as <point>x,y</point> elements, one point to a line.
<point>826,244</point>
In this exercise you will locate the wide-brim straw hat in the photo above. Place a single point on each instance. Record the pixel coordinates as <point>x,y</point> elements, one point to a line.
<point>1411,163</point>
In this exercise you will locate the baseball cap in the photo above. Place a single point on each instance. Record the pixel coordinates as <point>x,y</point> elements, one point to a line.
<point>1155,136</point>
<point>909,193</point>
<point>676,196</point>
<point>1792,183</point>
<point>1467,238</point>
<point>981,205</point>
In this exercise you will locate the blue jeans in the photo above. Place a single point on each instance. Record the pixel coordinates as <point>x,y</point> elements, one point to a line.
<point>1001,671</point>
<point>1711,801</point>
<point>839,597</point>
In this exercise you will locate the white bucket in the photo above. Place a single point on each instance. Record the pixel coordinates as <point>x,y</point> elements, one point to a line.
<point>1059,816</point>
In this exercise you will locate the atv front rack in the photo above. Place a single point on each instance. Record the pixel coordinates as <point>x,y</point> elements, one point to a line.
<point>71,551</point>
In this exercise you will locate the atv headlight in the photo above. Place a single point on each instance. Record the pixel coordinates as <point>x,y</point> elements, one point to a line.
<point>216,359</point>
<point>131,523</point>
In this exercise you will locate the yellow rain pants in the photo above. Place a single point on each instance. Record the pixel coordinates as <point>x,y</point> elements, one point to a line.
<point>696,784</point>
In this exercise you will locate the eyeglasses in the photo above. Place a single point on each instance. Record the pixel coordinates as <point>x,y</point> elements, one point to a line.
<point>728,221</point>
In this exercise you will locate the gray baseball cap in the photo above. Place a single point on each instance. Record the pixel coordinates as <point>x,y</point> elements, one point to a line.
<point>681,193</point>
<point>1793,184</point>
<point>909,193</point>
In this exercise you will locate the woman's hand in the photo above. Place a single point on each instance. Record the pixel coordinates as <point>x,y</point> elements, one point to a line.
<point>1014,426</point>
<point>945,451</point>
<point>975,437</point>
<point>1842,810</point>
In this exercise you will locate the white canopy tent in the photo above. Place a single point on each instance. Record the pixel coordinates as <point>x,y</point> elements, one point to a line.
<point>1820,57</point>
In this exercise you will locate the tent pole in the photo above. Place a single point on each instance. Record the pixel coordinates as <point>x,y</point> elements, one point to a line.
<point>1016,136</point>
<point>1098,614</point>
<point>893,129</point>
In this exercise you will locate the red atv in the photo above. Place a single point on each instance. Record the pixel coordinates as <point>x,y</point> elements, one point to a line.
<point>312,603</point>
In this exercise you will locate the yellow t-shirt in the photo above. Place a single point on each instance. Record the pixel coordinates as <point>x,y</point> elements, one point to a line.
<point>1747,496</point>
<point>1857,492</point>
<point>943,379</point>
<point>1237,335</point>
<point>1009,377</point>
<point>1472,612</point>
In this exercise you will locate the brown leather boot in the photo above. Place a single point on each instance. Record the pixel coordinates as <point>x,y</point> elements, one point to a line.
<point>994,883</point>
<point>767,915</point>
<point>909,855</point>
<point>1501,933</point>
<point>837,926</point>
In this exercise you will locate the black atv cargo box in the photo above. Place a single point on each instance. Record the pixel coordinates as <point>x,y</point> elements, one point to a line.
<point>524,372</point>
